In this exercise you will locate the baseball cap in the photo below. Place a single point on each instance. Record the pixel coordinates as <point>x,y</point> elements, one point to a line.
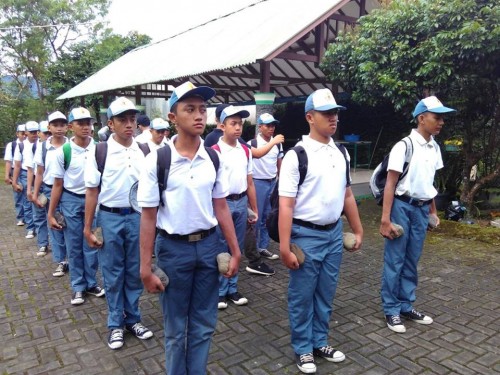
<point>266,118</point>
<point>219,109</point>
<point>321,100</point>
<point>56,116</point>
<point>119,106</point>
<point>32,126</point>
<point>159,124</point>
<point>44,126</point>
<point>21,128</point>
<point>233,111</point>
<point>79,113</point>
<point>431,104</point>
<point>187,90</point>
<point>143,120</point>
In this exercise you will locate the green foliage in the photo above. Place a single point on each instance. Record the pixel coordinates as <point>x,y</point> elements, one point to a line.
<point>414,48</point>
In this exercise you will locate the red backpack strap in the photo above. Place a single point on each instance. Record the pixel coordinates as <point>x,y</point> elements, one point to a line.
<point>216,147</point>
<point>247,150</point>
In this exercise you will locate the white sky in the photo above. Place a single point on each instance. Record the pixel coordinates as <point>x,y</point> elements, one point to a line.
<point>162,18</point>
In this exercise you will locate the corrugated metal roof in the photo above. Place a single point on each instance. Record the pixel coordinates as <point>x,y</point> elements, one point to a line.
<point>241,38</point>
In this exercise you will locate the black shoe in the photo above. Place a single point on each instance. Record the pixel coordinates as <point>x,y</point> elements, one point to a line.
<point>261,269</point>
<point>329,353</point>
<point>115,338</point>
<point>139,331</point>
<point>305,363</point>
<point>96,291</point>
<point>395,324</point>
<point>417,317</point>
<point>222,303</point>
<point>237,299</point>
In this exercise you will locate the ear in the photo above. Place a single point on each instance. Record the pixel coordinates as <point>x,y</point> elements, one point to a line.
<point>111,124</point>
<point>309,118</point>
<point>171,117</point>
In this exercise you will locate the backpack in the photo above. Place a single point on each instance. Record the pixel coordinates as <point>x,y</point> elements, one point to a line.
<point>163,161</point>
<point>379,176</point>
<point>67,154</point>
<point>13,147</point>
<point>272,217</point>
<point>244,146</point>
<point>253,143</point>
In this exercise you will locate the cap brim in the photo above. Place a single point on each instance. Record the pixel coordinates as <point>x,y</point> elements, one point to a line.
<point>125,110</point>
<point>59,118</point>
<point>439,110</point>
<point>205,92</point>
<point>327,107</point>
<point>269,122</point>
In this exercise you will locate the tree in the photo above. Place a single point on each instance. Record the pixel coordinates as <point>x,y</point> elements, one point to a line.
<point>86,58</point>
<point>411,49</point>
<point>35,32</point>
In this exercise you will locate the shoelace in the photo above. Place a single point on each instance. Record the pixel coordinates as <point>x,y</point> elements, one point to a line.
<point>418,314</point>
<point>305,358</point>
<point>116,335</point>
<point>139,328</point>
<point>396,320</point>
<point>327,349</point>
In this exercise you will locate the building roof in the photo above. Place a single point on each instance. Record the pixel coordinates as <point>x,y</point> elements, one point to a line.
<point>227,53</point>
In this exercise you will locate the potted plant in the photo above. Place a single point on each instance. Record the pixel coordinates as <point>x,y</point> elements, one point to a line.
<point>453,145</point>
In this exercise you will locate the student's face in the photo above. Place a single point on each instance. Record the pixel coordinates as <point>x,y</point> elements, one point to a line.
<point>190,116</point>
<point>124,125</point>
<point>431,123</point>
<point>81,128</point>
<point>32,136</point>
<point>58,128</point>
<point>323,122</point>
<point>157,136</point>
<point>232,127</point>
<point>267,130</point>
<point>43,136</point>
<point>21,136</point>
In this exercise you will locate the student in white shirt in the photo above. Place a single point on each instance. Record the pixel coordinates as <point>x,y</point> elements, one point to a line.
<point>144,123</point>
<point>119,254</point>
<point>186,246</point>
<point>268,153</point>
<point>9,171</point>
<point>68,192</point>
<point>309,216</point>
<point>409,203</point>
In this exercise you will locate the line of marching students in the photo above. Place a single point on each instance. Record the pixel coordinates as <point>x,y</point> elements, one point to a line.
<point>194,197</point>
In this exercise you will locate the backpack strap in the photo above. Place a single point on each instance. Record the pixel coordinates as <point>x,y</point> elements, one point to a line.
<point>101,152</point>
<point>214,157</point>
<point>33,148</point>
<point>44,152</point>
<point>408,155</point>
<point>163,161</point>
<point>21,147</point>
<point>67,155</point>
<point>144,148</point>
<point>216,147</point>
<point>13,147</point>
<point>303,162</point>
<point>247,150</point>
<point>347,166</point>
<point>253,143</point>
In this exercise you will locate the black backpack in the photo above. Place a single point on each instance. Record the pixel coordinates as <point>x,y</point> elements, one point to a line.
<point>379,176</point>
<point>272,217</point>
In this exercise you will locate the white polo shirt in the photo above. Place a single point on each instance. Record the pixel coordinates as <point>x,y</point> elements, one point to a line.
<point>320,198</point>
<point>26,158</point>
<point>153,146</point>
<point>190,188</point>
<point>50,160</point>
<point>237,164</point>
<point>122,170</point>
<point>144,136</point>
<point>266,167</point>
<point>8,156</point>
<point>74,180</point>
<point>426,160</point>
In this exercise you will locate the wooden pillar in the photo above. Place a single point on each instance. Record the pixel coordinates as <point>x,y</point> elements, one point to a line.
<point>362,7</point>
<point>138,95</point>
<point>265,76</point>
<point>319,42</point>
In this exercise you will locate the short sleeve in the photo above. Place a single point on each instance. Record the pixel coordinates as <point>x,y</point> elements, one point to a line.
<point>148,194</point>
<point>289,176</point>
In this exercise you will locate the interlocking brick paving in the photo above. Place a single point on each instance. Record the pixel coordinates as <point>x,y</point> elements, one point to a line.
<point>42,333</point>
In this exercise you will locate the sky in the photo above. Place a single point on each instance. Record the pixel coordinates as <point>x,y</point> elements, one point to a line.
<point>163,18</point>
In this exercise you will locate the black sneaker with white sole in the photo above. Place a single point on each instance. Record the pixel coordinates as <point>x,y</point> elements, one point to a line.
<point>61,269</point>
<point>267,254</point>
<point>329,353</point>
<point>395,324</point>
<point>78,298</point>
<point>115,338</point>
<point>261,269</point>
<point>96,291</point>
<point>305,363</point>
<point>139,331</point>
<point>417,317</point>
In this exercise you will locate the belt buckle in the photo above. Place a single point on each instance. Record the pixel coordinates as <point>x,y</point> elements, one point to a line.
<point>420,203</point>
<point>195,237</point>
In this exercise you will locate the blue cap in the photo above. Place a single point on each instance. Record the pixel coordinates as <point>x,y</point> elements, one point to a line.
<point>321,100</point>
<point>79,113</point>
<point>159,124</point>
<point>266,118</point>
<point>44,126</point>
<point>187,89</point>
<point>119,106</point>
<point>233,111</point>
<point>431,104</point>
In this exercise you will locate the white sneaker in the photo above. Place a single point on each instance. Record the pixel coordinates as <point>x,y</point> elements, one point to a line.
<point>237,299</point>
<point>42,251</point>
<point>222,303</point>
<point>20,223</point>
<point>30,234</point>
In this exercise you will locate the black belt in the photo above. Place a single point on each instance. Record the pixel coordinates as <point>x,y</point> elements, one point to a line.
<point>266,179</point>
<point>49,186</point>
<point>192,237</point>
<point>117,210</point>
<point>308,224</point>
<point>75,194</point>
<point>413,201</point>
<point>235,197</point>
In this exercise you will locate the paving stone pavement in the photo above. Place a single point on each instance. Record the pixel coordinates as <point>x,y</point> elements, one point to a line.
<point>41,333</point>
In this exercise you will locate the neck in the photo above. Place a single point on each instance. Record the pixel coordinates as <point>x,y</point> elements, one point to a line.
<point>265,138</point>
<point>423,133</point>
<point>229,141</point>
<point>125,142</point>
<point>187,145</point>
<point>319,137</point>
<point>83,142</point>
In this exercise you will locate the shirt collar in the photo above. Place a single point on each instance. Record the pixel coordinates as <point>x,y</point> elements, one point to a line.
<point>420,139</point>
<point>116,147</point>
<point>314,145</point>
